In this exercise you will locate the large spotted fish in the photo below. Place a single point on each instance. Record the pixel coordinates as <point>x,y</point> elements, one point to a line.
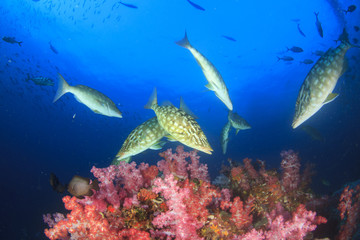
<point>146,135</point>
<point>320,82</point>
<point>216,82</point>
<point>180,125</point>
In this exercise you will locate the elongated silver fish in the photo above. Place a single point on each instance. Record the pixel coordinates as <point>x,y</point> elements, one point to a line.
<point>181,126</point>
<point>318,85</point>
<point>146,135</point>
<point>224,138</point>
<point>238,122</point>
<point>93,99</point>
<point>216,82</point>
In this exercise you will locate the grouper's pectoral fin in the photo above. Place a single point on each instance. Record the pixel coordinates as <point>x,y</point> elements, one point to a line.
<point>171,138</point>
<point>158,145</point>
<point>330,97</point>
<point>210,87</point>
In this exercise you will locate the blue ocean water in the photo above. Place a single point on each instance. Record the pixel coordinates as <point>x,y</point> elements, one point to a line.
<point>124,52</point>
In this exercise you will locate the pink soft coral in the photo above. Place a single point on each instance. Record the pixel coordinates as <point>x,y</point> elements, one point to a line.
<point>176,164</point>
<point>176,221</point>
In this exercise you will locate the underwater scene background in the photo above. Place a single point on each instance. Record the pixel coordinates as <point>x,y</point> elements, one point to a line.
<point>263,50</point>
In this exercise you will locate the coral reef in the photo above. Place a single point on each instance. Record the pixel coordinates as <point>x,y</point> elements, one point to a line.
<point>175,200</point>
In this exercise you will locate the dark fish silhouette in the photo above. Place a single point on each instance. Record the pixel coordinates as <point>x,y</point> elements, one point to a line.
<point>41,81</point>
<point>344,36</point>
<point>307,61</point>
<point>313,132</point>
<point>295,49</point>
<point>299,29</point>
<point>11,40</point>
<point>351,8</point>
<point>55,184</point>
<point>229,38</point>
<point>318,53</point>
<point>128,5</point>
<point>196,6</point>
<point>318,25</point>
<point>356,28</point>
<point>53,48</point>
<point>285,58</point>
<point>355,40</point>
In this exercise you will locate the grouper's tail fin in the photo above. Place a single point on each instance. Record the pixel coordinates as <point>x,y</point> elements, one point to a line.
<point>63,88</point>
<point>152,100</point>
<point>184,42</point>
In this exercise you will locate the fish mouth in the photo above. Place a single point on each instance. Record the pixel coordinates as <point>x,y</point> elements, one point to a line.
<point>206,150</point>
<point>295,124</point>
<point>120,155</point>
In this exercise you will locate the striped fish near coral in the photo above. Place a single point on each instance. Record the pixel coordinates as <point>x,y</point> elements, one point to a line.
<point>145,136</point>
<point>180,125</point>
<point>318,85</point>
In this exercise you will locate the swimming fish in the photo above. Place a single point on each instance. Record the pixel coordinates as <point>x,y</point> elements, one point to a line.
<point>196,6</point>
<point>11,40</point>
<point>93,99</point>
<point>181,126</point>
<point>307,61</point>
<point>356,28</point>
<point>41,81</point>
<point>216,82</point>
<point>299,29</point>
<point>318,53</point>
<point>229,38</point>
<point>224,137</point>
<point>53,48</point>
<point>285,58</point>
<point>344,36</point>
<point>128,5</point>
<point>81,186</point>
<point>146,135</point>
<point>318,85</point>
<point>312,132</point>
<point>318,25</point>
<point>295,49</point>
<point>55,184</point>
<point>238,122</point>
<point>351,8</point>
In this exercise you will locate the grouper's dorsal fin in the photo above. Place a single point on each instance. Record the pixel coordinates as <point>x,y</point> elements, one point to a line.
<point>167,103</point>
<point>330,97</point>
<point>158,145</point>
<point>186,109</point>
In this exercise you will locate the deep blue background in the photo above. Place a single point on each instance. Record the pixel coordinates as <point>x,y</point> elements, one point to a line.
<point>125,53</point>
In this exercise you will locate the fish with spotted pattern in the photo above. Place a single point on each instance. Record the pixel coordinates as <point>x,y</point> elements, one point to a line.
<point>317,88</point>
<point>180,125</point>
